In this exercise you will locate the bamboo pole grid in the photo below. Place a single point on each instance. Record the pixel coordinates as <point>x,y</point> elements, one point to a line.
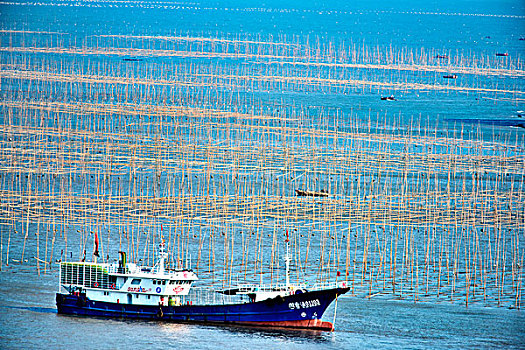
<point>119,147</point>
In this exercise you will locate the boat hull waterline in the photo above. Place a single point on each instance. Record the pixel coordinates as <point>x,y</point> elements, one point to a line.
<point>299,311</point>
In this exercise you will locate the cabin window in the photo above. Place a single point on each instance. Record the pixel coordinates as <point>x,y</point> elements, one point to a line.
<point>135,281</point>
<point>136,296</point>
<point>154,281</point>
<point>106,293</point>
<point>149,296</point>
<point>163,282</point>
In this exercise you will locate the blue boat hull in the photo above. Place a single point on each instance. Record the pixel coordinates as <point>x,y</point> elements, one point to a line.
<point>294,311</point>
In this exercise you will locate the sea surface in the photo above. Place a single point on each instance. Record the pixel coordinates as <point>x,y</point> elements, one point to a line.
<point>474,30</point>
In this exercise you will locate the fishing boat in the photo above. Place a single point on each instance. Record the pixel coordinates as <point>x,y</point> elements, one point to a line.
<point>306,193</point>
<point>388,98</point>
<point>126,290</point>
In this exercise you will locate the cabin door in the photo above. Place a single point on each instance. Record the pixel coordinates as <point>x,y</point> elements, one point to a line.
<point>130,298</point>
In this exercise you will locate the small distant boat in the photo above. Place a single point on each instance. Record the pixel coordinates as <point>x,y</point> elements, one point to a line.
<point>388,98</point>
<point>132,59</point>
<point>442,56</point>
<point>502,54</point>
<point>306,193</point>
<point>126,290</point>
<point>450,76</point>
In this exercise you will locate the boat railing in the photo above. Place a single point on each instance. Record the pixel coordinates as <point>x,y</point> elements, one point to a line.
<point>330,285</point>
<point>137,269</point>
<point>247,287</point>
<point>113,268</point>
<point>209,296</point>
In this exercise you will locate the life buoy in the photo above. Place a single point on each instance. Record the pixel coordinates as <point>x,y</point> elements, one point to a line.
<point>95,284</point>
<point>112,286</point>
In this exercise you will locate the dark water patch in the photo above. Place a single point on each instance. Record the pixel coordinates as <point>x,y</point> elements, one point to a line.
<point>494,122</point>
<point>285,334</point>
<point>47,310</point>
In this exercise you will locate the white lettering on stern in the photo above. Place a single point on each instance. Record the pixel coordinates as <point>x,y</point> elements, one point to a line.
<point>304,304</point>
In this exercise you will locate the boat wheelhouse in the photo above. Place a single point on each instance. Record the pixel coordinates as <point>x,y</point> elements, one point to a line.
<point>127,283</point>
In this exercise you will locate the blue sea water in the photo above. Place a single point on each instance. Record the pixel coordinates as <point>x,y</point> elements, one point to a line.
<point>471,28</point>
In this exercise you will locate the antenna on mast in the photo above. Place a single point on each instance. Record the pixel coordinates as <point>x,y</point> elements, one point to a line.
<point>287,260</point>
<point>162,253</point>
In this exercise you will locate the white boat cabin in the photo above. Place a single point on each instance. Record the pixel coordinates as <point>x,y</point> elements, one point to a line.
<point>127,283</point>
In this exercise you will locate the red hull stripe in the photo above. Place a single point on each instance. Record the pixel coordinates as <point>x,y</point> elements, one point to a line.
<point>304,324</point>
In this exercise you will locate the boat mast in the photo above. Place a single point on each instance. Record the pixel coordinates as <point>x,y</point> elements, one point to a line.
<point>287,260</point>
<point>162,253</point>
<point>163,256</point>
